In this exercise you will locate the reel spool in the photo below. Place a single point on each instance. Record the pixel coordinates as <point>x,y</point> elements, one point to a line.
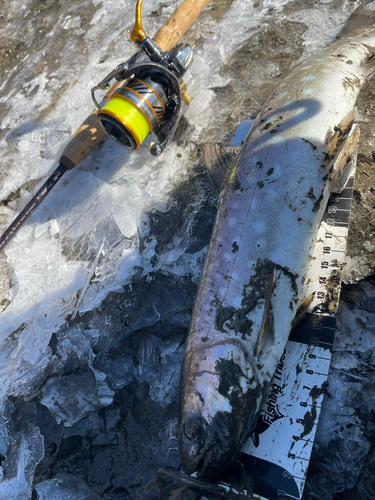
<point>149,97</point>
<point>134,111</point>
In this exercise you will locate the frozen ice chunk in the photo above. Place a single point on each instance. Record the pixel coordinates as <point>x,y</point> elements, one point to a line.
<point>74,396</point>
<point>65,487</point>
<point>119,369</point>
<point>72,22</point>
<point>163,388</point>
<point>25,453</point>
<point>80,391</point>
<point>88,426</point>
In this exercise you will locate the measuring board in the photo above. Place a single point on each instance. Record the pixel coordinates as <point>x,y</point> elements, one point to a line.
<point>278,451</point>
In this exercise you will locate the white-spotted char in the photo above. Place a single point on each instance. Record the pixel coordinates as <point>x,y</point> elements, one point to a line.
<point>298,151</point>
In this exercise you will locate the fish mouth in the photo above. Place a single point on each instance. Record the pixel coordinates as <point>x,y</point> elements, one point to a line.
<point>192,442</point>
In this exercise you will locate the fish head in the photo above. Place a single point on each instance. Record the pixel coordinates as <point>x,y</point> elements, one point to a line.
<point>219,405</point>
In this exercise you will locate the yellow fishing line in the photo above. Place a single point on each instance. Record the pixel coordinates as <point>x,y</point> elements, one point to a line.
<point>130,117</point>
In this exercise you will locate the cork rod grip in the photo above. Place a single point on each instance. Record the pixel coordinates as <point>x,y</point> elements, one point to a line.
<point>178,24</point>
<point>89,134</point>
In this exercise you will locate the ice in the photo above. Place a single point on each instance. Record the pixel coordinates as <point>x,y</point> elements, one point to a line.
<point>65,487</point>
<point>369,246</point>
<point>18,470</point>
<point>356,269</point>
<point>127,222</point>
<point>78,389</point>
<point>159,365</point>
<point>321,29</point>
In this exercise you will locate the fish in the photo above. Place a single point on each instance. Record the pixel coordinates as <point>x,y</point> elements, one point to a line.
<point>301,147</point>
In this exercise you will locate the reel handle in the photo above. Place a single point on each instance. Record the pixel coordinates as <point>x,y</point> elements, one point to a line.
<point>89,134</point>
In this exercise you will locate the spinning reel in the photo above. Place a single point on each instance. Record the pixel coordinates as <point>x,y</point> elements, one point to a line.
<point>148,98</point>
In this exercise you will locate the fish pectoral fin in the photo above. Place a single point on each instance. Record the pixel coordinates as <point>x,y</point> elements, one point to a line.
<point>345,161</point>
<point>267,330</point>
<point>219,160</point>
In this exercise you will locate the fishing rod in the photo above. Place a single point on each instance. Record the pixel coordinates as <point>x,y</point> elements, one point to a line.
<point>146,98</point>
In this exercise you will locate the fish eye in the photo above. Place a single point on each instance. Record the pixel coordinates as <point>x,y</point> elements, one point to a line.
<point>193,427</point>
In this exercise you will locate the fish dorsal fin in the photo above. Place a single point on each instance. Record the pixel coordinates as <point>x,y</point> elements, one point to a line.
<point>267,327</point>
<point>218,160</point>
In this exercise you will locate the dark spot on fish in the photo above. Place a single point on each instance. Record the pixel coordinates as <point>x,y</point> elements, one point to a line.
<point>317,203</point>
<point>223,314</point>
<point>235,247</point>
<point>257,286</point>
<point>361,323</point>
<point>298,368</point>
<point>259,164</point>
<point>351,83</point>
<point>267,126</point>
<point>260,184</point>
<point>245,328</point>
<point>201,398</point>
<point>310,194</point>
<point>311,144</point>
<point>349,62</point>
<point>204,339</point>
<point>230,374</point>
<point>281,117</point>
<point>300,219</point>
<point>270,171</point>
<point>273,131</point>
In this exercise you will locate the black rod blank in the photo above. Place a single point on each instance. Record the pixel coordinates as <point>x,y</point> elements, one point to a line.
<point>32,205</point>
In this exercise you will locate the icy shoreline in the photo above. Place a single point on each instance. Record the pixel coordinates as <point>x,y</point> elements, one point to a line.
<point>118,223</point>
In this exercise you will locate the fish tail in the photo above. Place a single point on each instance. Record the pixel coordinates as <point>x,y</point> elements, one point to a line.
<point>361,18</point>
